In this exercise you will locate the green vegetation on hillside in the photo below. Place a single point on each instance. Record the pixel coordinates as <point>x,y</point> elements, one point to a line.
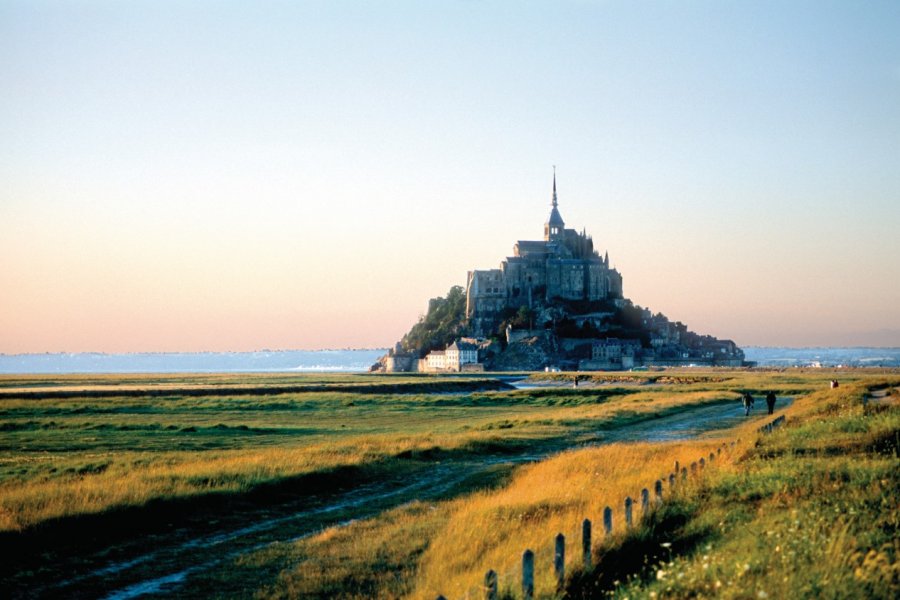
<point>443,323</point>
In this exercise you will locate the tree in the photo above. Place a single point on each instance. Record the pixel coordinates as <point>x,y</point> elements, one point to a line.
<point>443,323</point>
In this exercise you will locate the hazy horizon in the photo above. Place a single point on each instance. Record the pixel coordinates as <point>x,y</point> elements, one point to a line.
<point>385,348</point>
<point>360,360</point>
<point>223,176</point>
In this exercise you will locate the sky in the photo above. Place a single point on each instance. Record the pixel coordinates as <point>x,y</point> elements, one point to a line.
<point>215,175</point>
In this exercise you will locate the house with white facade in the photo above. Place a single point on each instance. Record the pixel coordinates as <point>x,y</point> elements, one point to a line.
<point>459,356</point>
<point>436,360</point>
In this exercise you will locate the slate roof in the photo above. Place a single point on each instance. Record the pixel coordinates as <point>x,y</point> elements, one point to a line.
<point>461,346</point>
<point>556,219</point>
<point>532,247</point>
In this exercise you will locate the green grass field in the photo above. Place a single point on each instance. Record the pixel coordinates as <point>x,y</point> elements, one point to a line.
<point>352,486</point>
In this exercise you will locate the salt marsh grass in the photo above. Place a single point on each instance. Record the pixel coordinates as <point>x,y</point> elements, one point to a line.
<point>64,457</point>
<point>810,511</point>
<point>719,534</point>
<point>492,529</point>
<point>829,477</point>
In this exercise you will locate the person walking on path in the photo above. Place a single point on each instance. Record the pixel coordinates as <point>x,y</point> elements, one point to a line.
<point>748,403</point>
<point>770,402</point>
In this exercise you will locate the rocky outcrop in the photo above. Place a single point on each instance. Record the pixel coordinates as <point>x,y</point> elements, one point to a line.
<point>529,354</point>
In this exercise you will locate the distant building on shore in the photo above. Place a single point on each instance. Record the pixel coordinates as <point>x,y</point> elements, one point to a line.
<point>458,356</point>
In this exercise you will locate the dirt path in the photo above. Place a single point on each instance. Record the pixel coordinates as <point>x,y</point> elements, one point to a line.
<point>130,572</point>
<point>691,423</point>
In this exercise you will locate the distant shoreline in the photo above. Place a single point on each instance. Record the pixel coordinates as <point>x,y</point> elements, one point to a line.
<point>822,347</point>
<point>383,350</point>
<point>264,361</point>
<point>186,352</point>
<point>359,360</point>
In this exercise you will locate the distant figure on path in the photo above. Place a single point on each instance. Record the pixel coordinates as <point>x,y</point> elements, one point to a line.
<point>834,383</point>
<point>748,403</point>
<point>770,402</point>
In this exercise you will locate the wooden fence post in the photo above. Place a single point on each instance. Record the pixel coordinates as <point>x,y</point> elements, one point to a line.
<point>645,501</point>
<point>490,585</point>
<point>586,543</point>
<point>684,473</point>
<point>559,561</point>
<point>658,489</point>
<point>702,463</point>
<point>693,469</point>
<point>676,466</point>
<point>607,521</point>
<point>671,481</point>
<point>719,450</point>
<point>528,575</point>
<point>628,503</point>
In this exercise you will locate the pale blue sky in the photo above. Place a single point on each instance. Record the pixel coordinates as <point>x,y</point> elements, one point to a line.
<point>223,175</point>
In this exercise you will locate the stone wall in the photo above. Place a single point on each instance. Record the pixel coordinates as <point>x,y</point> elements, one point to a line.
<point>517,335</point>
<point>485,300</point>
<point>401,363</point>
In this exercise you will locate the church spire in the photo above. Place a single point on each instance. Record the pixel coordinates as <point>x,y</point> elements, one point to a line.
<point>554,186</point>
<point>553,228</point>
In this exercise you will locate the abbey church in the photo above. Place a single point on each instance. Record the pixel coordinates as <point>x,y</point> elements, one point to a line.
<point>562,266</point>
<point>555,303</point>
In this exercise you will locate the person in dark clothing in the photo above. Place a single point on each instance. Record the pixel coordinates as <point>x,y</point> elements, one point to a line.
<point>770,402</point>
<point>748,403</point>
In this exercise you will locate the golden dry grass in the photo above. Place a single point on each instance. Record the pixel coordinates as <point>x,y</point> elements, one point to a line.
<point>371,558</point>
<point>492,529</point>
<point>446,547</point>
<point>134,479</point>
<point>85,482</point>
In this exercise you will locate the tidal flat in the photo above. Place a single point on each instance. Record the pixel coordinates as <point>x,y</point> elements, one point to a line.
<point>338,485</point>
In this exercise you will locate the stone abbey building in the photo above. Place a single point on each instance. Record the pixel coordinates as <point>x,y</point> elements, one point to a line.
<point>562,266</point>
<point>579,318</point>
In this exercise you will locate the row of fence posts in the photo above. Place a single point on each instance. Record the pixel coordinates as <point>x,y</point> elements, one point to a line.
<point>559,556</point>
<point>770,427</point>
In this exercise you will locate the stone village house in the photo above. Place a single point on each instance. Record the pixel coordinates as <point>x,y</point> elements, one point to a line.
<point>458,356</point>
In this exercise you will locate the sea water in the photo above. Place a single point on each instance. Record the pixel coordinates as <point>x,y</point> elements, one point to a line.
<point>301,361</point>
<point>356,361</point>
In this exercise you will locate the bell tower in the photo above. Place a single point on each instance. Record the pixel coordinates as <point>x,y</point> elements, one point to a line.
<point>553,228</point>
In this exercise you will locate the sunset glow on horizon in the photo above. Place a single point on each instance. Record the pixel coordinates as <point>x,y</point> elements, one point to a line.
<point>207,176</point>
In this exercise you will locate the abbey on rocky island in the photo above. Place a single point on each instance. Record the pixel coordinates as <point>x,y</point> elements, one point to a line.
<point>555,303</point>
<point>562,266</point>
